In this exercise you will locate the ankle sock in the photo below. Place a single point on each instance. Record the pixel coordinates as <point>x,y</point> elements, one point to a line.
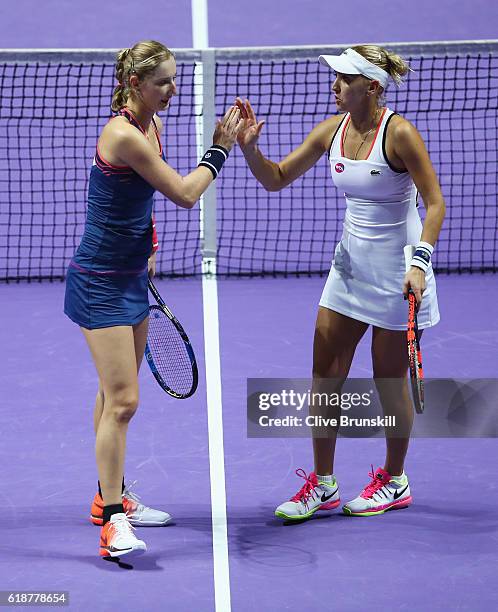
<point>110,510</point>
<point>122,487</point>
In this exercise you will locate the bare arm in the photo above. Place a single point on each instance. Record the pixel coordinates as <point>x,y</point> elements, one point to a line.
<point>135,151</point>
<point>138,154</point>
<point>410,149</point>
<point>272,175</point>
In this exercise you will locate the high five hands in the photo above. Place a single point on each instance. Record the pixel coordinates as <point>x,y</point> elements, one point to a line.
<point>250,129</point>
<point>228,128</point>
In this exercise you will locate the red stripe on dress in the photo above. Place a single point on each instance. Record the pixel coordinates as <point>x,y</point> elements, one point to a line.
<point>373,142</point>
<point>342,135</point>
<point>376,132</point>
<point>105,272</point>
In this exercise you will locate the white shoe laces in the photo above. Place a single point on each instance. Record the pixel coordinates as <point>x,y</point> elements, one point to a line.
<point>123,526</point>
<point>132,495</point>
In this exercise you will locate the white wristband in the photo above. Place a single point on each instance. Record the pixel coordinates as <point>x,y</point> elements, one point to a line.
<point>422,256</point>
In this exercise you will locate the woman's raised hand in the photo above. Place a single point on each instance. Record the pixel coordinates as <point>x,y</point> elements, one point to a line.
<point>227,129</point>
<point>250,129</point>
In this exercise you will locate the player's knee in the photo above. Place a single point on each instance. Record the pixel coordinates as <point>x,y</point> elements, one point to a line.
<point>384,370</point>
<point>330,367</point>
<point>124,406</point>
<point>392,390</point>
<point>320,370</point>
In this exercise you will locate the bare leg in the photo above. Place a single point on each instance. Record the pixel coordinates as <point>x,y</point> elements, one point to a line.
<point>336,338</point>
<point>113,351</point>
<point>140,339</point>
<point>390,364</point>
<point>99,408</point>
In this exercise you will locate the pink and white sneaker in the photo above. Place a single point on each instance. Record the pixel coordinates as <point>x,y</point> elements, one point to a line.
<point>312,496</point>
<point>383,493</point>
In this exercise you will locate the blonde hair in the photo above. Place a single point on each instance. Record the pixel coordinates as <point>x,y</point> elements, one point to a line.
<point>392,63</point>
<point>141,59</point>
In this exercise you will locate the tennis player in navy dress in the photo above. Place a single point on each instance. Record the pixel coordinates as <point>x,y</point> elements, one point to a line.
<point>106,286</point>
<point>379,161</point>
<point>107,277</point>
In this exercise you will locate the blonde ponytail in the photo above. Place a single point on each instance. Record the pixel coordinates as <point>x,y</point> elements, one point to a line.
<point>392,63</point>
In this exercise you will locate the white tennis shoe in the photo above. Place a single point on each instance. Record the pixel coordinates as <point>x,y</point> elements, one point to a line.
<point>384,492</point>
<point>117,538</point>
<point>312,496</point>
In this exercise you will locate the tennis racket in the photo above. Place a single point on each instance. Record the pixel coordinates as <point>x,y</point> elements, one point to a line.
<point>168,351</point>
<point>413,340</point>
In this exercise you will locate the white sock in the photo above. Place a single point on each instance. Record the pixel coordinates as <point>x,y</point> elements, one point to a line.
<point>329,478</point>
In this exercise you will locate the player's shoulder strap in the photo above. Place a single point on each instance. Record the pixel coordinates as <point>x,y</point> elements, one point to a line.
<point>384,138</point>
<point>335,134</point>
<point>126,112</point>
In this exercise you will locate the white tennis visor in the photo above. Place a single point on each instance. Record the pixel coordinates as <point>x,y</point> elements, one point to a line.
<point>351,62</point>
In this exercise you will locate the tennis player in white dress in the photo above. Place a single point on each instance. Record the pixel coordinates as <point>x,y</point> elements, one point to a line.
<point>379,160</point>
<point>368,270</point>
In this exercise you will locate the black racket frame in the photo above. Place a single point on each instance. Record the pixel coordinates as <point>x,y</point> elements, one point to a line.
<point>190,351</point>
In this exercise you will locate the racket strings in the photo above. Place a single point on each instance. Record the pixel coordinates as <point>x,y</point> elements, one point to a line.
<point>169,353</point>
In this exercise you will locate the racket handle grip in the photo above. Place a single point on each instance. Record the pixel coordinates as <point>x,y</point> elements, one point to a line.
<point>408,251</point>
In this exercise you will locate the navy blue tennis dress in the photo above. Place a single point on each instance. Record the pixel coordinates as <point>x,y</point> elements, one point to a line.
<point>106,282</point>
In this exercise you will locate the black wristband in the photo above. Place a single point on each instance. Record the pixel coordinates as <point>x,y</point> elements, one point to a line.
<point>214,158</point>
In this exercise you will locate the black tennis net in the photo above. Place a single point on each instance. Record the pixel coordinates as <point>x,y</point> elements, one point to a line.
<point>51,113</point>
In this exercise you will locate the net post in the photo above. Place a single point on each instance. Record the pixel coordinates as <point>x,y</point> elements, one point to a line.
<point>208,201</point>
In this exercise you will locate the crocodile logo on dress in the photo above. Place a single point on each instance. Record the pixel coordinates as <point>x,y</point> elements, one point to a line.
<point>375,172</point>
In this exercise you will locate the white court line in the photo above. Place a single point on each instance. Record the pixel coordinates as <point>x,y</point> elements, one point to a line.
<point>213,374</point>
<point>215,433</point>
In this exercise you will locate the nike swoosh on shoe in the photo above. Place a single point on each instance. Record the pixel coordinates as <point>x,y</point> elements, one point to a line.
<point>325,497</point>
<point>114,549</point>
<point>397,495</point>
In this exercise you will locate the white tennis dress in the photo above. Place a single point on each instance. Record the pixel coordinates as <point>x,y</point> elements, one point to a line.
<point>366,278</point>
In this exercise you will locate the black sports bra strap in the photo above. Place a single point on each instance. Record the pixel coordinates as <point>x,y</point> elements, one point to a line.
<point>335,134</point>
<point>158,136</point>
<point>384,152</point>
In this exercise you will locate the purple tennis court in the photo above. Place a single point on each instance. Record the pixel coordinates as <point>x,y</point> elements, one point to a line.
<point>225,550</point>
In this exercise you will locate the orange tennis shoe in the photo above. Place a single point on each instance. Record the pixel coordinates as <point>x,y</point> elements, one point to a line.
<point>117,538</point>
<point>137,514</point>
